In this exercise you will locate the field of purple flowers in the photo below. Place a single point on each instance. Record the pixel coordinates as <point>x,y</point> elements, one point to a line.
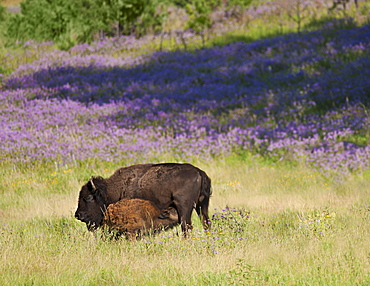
<point>301,97</point>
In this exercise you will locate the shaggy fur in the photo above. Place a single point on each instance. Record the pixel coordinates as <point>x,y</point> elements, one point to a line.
<point>134,217</point>
<point>181,186</point>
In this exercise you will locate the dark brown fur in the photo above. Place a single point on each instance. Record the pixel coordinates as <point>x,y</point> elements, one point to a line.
<point>181,186</point>
<point>134,217</point>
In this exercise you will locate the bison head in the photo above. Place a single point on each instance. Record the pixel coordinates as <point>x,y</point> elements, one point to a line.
<point>92,203</point>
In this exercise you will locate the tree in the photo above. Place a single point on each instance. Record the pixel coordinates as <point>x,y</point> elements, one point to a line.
<point>297,10</point>
<point>199,16</point>
<point>81,20</point>
<point>54,20</point>
<point>124,13</point>
<point>152,18</point>
<point>237,9</point>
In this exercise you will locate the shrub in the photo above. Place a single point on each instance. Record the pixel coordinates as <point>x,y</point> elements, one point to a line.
<point>78,21</point>
<point>2,13</point>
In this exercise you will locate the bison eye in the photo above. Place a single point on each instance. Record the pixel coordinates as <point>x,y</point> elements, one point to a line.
<point>89,199</point>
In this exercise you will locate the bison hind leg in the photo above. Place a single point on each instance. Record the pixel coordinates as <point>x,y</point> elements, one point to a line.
<point>202,211</point>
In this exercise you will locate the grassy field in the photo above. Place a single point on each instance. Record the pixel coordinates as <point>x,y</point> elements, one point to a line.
<point>283,134</point>
<point>271,225</point>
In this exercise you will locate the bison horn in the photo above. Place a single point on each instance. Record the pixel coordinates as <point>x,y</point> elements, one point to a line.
<point>92,184</point>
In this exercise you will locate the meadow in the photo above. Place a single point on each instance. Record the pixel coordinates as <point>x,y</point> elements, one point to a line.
<point>270,226</point>
<point>278,119</point>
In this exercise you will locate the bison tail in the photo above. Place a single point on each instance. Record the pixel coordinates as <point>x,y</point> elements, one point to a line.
<point>203,201</point>
<point>206,190</point>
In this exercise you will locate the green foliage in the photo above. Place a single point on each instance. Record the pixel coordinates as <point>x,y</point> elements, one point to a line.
<point>151,18</point>
<point>69,23</point>
<point>199,15</point>
<point>180,3</point>
<point>199,11</point>
<point>79,21</point>
<point>53,19</point>
<point>241,3</point>
<point>297,11</point>
<point>2,12</point>
<point>123,12</point>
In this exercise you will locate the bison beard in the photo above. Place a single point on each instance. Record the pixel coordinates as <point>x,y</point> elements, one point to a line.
<point>182,186</point>
<point>135,217</point>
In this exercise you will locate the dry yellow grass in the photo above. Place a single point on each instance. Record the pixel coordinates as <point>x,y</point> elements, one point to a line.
<point>275,189</point>
<point>7,3</point>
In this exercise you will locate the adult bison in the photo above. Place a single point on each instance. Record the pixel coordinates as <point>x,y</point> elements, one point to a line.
<point>135,217</point>
<point>166,185</point>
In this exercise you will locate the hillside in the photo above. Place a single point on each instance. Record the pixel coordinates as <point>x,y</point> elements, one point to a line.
<point>298,97</point>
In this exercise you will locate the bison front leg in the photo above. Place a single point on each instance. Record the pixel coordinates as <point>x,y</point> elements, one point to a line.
<point>186,226</point>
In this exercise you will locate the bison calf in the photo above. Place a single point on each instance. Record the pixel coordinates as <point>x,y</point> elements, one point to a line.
<point>133,217</point>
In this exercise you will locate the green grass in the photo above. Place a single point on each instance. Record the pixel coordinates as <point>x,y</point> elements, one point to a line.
<point>289,225</point>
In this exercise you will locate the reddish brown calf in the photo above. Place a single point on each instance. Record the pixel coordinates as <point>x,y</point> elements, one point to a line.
<point>134,217</point>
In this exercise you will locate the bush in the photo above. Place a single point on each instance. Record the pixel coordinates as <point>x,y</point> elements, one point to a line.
<point>77,21</point>
<point>2,13</point>
<point>50,19</point>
